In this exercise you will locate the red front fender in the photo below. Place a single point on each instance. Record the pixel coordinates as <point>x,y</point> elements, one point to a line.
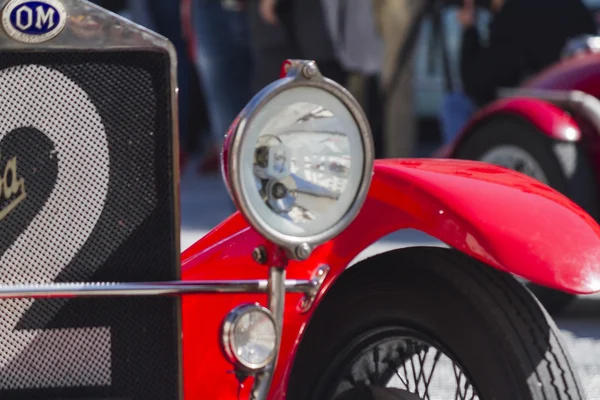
<point>500,217</point>
<point>503,218</point>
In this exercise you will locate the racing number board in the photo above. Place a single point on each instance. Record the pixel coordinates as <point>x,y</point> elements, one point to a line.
<point>86,195</point>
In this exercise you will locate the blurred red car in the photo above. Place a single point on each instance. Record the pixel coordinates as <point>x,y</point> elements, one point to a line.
<point>548,128</point>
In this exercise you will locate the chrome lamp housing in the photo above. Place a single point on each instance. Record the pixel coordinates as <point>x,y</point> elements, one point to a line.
<point>298,160</point>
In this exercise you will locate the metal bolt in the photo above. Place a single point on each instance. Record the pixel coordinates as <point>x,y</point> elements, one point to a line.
<point>309,70</point>
<point>303,251</point>
<point>259,254</point>
<point>304,303</point>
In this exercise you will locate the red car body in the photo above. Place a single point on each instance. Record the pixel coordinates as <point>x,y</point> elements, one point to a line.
<point>461,203</point>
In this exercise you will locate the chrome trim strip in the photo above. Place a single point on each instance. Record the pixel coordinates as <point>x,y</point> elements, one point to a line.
<point>177,288</point>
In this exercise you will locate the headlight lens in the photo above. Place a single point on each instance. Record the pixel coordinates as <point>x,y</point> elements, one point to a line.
<point>250,337</point>
<point>306,166</point>
<point>299,160</point>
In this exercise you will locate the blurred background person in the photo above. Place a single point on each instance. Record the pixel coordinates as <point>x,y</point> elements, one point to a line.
<point>339,35</point>
<point>525,36</point>
<point>224,61</point>
<point>359,48</point>
<point>395,21</point>
<point>164,17</point>
<point>282,29</point>
<point>138,11</point>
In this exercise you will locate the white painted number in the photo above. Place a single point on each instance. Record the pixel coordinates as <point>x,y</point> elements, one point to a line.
<point>45,99</point>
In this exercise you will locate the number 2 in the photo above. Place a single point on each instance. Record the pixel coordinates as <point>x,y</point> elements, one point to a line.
<point>45,99</point>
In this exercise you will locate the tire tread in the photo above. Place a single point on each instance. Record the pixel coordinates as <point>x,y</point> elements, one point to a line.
<point>532,335</point>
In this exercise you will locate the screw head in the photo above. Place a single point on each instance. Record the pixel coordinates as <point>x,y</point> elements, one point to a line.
<point>309,70</point>
<point>259,254</point>
<point>303,251</point>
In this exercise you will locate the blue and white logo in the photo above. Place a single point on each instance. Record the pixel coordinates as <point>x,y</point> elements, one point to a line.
<point>34,21</point>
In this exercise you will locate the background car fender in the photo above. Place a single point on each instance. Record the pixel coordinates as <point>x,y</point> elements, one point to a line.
<point>546,117</point>
<point>500,217</point>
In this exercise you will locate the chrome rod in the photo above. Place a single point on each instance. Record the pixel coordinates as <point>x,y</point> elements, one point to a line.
<point>263,380</point>
<point>177,288</point>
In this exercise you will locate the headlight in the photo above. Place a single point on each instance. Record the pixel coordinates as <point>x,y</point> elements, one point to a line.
<point>249,337</point>
<point>299,158</point>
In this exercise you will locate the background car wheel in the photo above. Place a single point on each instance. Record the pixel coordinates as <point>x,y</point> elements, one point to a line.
<point>513,142</point>
<point>435,323</point>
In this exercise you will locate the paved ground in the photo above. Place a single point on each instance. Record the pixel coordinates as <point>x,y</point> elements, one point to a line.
<point>205,203</point>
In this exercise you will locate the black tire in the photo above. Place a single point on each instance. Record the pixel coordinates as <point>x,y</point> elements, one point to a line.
<point>506,343</point>
<point>565,166</point>
<point>554,301</point>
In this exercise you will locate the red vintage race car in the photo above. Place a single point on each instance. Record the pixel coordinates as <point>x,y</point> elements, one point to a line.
<point>97,302</point>
<point>549,128</point>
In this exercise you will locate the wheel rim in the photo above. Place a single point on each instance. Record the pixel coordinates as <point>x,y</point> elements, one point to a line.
<point>402,359</point>
<point>517,159</point>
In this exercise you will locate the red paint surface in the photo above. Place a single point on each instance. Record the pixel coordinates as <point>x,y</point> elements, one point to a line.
<point>500,217</point>
<point>548,118</point>
<point>284,68</point>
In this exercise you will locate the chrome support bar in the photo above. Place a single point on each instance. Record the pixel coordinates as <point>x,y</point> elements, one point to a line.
<point>76,290</point>
<point>263,380</point>
<point>318,277</point>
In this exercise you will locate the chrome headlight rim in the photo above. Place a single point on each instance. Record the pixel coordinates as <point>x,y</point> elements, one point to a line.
<point>228,340</point>
<point>296,79</point>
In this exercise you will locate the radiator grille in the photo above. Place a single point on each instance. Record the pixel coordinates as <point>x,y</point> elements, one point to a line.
<point>87,195</point>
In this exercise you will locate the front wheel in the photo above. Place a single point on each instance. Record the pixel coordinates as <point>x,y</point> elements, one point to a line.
<point>430,323</point>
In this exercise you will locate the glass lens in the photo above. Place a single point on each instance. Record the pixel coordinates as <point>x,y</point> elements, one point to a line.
<point>254,338</point>
<point>302,162</point>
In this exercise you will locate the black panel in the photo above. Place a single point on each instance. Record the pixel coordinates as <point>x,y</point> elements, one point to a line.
<point>87,147</point>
